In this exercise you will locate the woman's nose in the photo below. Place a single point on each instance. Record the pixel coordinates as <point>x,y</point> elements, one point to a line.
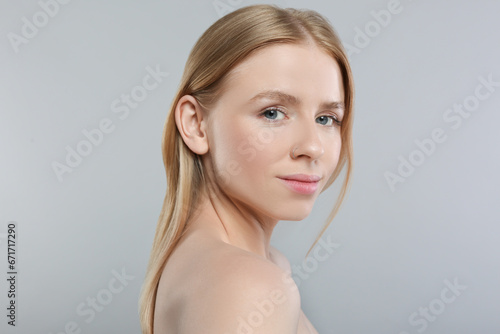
<point>307,141</point>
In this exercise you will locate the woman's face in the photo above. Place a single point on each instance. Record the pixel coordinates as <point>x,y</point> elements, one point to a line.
<point>273,135</point>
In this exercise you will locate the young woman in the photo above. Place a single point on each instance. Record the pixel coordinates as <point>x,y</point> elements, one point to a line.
<point>260,126</point>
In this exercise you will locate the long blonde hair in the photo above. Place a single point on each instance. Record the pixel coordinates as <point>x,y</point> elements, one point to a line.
<point>223,45</point>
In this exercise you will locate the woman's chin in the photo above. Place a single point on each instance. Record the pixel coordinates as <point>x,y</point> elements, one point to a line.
<point>295,215</point>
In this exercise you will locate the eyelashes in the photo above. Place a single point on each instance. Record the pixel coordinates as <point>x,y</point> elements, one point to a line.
<point>328,118</point>
<point>276,114</point>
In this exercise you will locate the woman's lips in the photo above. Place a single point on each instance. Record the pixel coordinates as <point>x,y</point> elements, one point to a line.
<point>301,183</point>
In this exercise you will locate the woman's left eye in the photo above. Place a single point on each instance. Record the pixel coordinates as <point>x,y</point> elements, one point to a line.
<point>273,114</point>
<point>327,120</point>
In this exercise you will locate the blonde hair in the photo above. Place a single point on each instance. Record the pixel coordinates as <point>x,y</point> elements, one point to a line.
<point>223,45</point>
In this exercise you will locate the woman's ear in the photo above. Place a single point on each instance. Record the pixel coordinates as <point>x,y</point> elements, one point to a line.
<point>191,122</point>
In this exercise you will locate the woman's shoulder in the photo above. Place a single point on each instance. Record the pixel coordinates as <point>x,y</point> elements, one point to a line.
<point>242,291</point>
<point>219,264</point>
<point>199,253</point>
<point>223,285</point>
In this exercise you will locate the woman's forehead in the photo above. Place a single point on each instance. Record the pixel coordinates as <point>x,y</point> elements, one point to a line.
<point>292,68</point>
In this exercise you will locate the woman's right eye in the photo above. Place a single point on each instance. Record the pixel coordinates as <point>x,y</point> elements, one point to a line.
<point>273,114</point>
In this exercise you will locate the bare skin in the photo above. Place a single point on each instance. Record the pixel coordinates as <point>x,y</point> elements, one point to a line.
<point>224,276</point>
<point>203,261</point>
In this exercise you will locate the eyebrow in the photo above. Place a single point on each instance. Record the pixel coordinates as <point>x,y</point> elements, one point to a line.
<point>282,96</point>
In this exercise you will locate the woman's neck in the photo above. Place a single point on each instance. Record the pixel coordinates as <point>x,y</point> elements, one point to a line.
<point>233,223</point>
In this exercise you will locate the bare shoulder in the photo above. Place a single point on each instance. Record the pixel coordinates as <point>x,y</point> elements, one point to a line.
<point>240,292</point>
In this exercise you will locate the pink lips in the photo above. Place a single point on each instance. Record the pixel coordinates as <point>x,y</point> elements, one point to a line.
<point>301,183</point>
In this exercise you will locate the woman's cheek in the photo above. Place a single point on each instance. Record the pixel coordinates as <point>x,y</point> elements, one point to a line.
<point>232,152</point>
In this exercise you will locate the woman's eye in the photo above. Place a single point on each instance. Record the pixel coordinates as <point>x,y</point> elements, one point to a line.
<point>274,114</point>
<point>327,120</point>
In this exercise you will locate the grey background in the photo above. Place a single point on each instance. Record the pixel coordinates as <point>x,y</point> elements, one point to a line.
<point>395,249</point>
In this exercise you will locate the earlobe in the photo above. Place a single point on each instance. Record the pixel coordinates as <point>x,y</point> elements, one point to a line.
<point>190,121</point>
